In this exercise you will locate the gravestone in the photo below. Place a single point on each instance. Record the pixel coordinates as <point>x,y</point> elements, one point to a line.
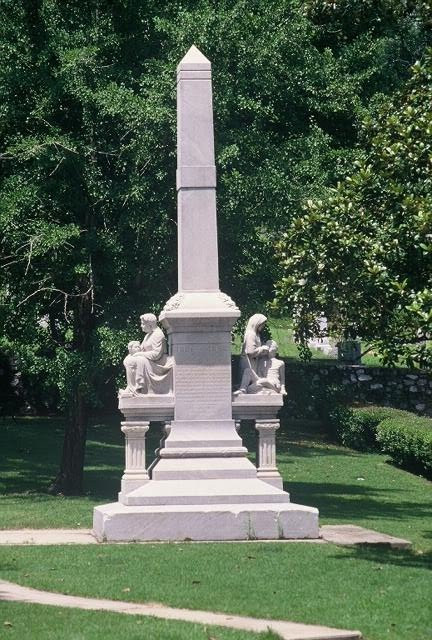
<point>349,351</point>
<point>322,342</point>
<point>201,486</point>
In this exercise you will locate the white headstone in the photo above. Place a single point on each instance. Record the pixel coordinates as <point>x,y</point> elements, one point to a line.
<point>322,342</point>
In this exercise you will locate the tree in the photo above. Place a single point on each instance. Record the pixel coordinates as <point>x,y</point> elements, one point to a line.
<point>363,255</point>
<point>86,225</point>
<point>87,131</point>
<point>292,83</point>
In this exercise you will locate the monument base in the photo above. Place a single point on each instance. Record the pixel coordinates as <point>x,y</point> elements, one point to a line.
<point>212,522</point>
<point>242,508</point>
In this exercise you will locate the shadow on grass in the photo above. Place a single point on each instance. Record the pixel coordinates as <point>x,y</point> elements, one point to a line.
<point>299,445</point>
<point>352,501</point>
<point>383,555</point>
<point>30,456</point>
<point>31,449</point>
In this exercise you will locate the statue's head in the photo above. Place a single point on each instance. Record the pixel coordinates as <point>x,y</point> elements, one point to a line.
<point>273,347</point>
<point>134,346</point>
<point>256,323</point>
<point>148,322</point>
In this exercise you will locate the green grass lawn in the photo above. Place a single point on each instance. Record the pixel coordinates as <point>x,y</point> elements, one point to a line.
<point>384,593</point>
<point>37,622</point>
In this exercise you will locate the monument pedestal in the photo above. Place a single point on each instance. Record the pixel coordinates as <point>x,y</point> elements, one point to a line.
<point>202,486</point>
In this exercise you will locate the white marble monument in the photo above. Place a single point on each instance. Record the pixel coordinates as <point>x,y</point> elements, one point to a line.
<point>201,485</point>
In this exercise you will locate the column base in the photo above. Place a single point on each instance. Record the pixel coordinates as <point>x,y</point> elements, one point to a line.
<point>130,482</point>
<point>272,477</point>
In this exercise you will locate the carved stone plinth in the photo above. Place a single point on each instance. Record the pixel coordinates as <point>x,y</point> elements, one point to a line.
<point>266,463</point>
<point>154,408</point>
<point>135,473</point>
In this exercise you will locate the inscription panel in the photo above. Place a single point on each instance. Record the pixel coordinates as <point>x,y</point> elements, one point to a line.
<point>213,354</point>
<point>202,392</point>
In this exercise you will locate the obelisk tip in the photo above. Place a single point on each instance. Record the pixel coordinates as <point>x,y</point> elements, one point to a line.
<point>194,60</point>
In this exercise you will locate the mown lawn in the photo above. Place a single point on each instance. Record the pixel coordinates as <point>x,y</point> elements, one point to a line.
<point>36,622</point>
<point>384,593</point>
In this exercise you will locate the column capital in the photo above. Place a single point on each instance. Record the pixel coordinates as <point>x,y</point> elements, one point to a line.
<point>135,429</point>
<point>267,425</point>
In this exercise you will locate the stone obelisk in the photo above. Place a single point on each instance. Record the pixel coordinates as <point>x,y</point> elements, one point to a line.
<point>196,176</point>
<point>199,319</point>
<point>202,486</point>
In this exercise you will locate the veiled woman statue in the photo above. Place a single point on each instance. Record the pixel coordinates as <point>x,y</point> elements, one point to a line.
<point>252,350</point>
<point>148,368</point>
<point>260,370</point>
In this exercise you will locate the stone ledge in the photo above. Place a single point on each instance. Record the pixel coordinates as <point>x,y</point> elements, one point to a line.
<point>351,535</point>
<point>230,522</point>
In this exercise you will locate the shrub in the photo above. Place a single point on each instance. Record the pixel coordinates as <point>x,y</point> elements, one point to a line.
<point>406,437</point>
<point>356,428</point>
<point>408,441</point>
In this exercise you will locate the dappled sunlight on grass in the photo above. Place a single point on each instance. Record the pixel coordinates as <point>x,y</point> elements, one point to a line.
<point>322,584</point>
<point>317,584</point>
<point>30,454</point>
<point>346,486</point>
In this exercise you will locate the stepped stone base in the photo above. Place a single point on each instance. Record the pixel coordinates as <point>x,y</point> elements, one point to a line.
<point>205,510</point>
<point>117,522</point>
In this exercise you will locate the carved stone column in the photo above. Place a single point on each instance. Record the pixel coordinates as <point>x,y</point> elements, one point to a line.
<point>135,473</point>
<point>267,469</point>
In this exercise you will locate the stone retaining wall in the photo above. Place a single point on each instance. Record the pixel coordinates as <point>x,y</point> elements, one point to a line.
<point>311,384</point>
<point>398,388</point>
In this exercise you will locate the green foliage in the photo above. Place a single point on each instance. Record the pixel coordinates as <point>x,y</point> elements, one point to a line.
<point>87,132</point>
<point>357,428</point>
<point>408,441</point>
<point>363,254</point>
<point>406,437</point>
<point>82,207</point>
<point>289,100</point>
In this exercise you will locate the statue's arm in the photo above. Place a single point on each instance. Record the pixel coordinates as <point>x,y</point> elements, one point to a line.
<point>282,378</point>
<point>252,347</point>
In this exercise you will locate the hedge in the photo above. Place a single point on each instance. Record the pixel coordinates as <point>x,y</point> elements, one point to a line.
<point>404,436</point>
<point>408,441</point>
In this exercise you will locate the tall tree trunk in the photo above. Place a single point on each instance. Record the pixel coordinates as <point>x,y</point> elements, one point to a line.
<point>70,478</point>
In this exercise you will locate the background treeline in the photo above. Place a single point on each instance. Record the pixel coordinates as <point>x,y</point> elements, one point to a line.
<point>87,131</point>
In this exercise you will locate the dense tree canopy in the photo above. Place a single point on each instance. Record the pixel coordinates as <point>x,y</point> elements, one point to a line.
<point>363,255</point>
<point>87,138</point>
